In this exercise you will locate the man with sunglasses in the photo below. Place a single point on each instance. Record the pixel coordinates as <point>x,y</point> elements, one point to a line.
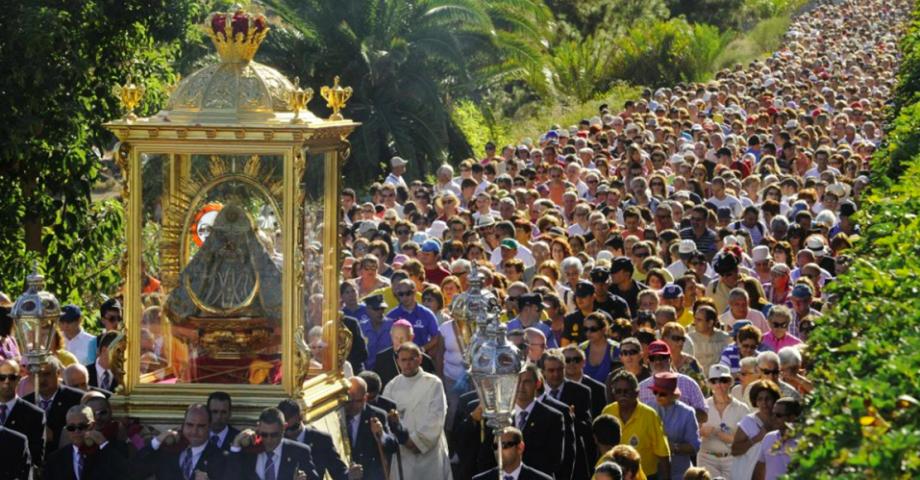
<point>642,428</point>
<point>659,359</point>
<point>264,453</point>
<point>776,446</point>
<point>184,454</point>
<point>512,455</point>
<point>325,457</point>
<point>19,415</point>
<point>375,328</point>
<point>54,399</point>
<point>575,372</point>
<point>90,455</point>
<point>614,305</point>
<point>423,321</point>
<point>573,398</point>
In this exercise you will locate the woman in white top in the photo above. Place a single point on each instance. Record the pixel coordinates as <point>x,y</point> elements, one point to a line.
<point>752,428</point>
<point>724,414</point>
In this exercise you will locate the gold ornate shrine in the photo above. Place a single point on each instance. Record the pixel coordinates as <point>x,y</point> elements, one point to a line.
<point>232,244</point>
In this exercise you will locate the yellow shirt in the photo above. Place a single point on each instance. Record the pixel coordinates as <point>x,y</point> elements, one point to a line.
<point>645,433</point>
<point>686,318</point>
<point>389,298</point>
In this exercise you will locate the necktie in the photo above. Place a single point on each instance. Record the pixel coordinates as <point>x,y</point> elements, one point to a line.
<point>269,466</point>
<point>106,379</point>
<point>509,477</point>
<point>187,464</point>
<point>2,413</point>
<point>45,404</point>
<point>554,393</point>
<point>522,419</point>
<point>80,460</point>
<point>215,440</point>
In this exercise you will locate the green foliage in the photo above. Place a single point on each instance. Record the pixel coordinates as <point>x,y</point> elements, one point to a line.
<point>610,18</point>
<point>60,61</point>
<point>765,37</point>
<point>477,127</point>
<point>731,14</point>
<point>664,53</point>
<point>582,68</point>
<point>867,351</point>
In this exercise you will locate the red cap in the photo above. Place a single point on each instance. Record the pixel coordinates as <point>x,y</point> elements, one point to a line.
<point>658,347</point>
<point>665,382</point>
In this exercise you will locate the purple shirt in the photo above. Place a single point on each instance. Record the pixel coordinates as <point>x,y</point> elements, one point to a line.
<point>377,340</point>
<point>424,323</point>
<point>9,350</point>
<point>690,392</point>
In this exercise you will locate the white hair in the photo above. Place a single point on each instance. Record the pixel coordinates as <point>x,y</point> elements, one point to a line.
<point>767,357</point>
<point>789,357</point>
<point>569,262</point>
<point>445,168</point>
<point>535,332</point>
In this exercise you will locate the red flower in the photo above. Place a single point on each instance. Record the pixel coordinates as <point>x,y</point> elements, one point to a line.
<point>240,23</point>
<point>218,23</point>
<point>259,23</point>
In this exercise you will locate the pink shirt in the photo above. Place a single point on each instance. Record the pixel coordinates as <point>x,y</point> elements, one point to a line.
<point>770,341</point>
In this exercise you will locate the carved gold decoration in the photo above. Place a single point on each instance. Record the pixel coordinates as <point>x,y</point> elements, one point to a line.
<point>236,35</point>
<point>232,339</point>
<point>122,150</point>
<point>302,357</point>
<point>130,95</point>
<point>343,341</point>
<point>298,99</point>
<point>118,357</point>
<point>336,98</point>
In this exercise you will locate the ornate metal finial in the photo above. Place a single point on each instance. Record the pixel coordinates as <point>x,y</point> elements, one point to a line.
<point>237,35</point>
<point>298,99</point>
<point>130,96</point>
<point>336,97</point>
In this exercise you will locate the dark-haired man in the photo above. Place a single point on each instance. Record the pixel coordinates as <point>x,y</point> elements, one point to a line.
<point>19,415</point>
<point>325,457</point>
<point>264,453</point>
<point>100,372</point>
<point>221,407</point>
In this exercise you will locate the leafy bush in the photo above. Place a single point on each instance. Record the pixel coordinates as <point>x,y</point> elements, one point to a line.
<point>863,420</point>
<point>582,68</point>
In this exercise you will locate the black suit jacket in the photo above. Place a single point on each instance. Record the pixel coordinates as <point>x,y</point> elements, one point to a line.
<point>576,395</point>
<point>163,463</point>
<point>228,439</point>
<point>29,420</point>
<point>383,403</point>
<point>572,446</point>
<point>294,456</point>
<point>544,440</point>
<point>105,464</point>
<point>527,473</point>
<point>598,395</point>
<point>385,366</point>
<point>325,456</point>
<point>358,353</point>
<point>364,449</point>
<point>94,379</point>
<point>16,462</point>
<point>466,437</point>
<point>55,417</point>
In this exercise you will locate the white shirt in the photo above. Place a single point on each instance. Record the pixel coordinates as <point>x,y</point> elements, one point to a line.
<point>517,410</point>
<point>99,375</point>
<point>393,179</point>
<point>220,435</point>
<point>523,254</point>
<point>453,356</point>
<point>83,346</point>
<point>263,459</point>
<point>514,473</point>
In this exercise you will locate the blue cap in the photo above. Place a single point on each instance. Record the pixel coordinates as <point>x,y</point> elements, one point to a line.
<point>672,291</point>
<point>802,291</point>
<point>431,246</point>
<point>737,326</point>
<point>71,313</point>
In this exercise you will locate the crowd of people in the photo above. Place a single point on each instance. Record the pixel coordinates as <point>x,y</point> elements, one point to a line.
<point>661,266</point>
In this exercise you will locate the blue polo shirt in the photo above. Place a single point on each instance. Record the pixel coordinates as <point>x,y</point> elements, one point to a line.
<point>424,323</point>
<point>377,340</point>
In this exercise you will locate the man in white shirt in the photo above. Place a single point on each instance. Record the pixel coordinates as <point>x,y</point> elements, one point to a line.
<point>397,169</point>
<point>81,344</point>
<point>720,198</point>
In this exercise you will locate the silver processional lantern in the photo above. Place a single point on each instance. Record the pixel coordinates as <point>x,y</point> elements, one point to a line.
<point>494,362</point>
<point>35,313</point>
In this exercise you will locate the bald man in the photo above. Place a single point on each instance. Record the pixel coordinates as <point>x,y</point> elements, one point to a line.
<point>385,365</point>
<point>89,456</point>
<point>181,455</point>
<point>366,428</point>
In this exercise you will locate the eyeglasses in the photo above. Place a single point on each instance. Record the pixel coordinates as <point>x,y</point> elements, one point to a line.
<point>779,324</point>
<point>571,360</point>
<point>593,329</point>
<point>75,428</point>
<point>12,377</point>
<point>659,358</point>
<point>628,353</point>
<point>407,293</point>
<point>678,338</point>
<point>269,434</point>
<point>720,380</point>
<point>774,371</point>
<point>511,444</point>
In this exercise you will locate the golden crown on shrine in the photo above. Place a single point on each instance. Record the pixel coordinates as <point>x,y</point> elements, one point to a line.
<point>236,35</point>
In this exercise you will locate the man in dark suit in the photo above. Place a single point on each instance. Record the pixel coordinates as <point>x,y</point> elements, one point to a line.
<point>270,455</point>
<point>100,372</point>
<point>366,430</point>
<point>325,457</point>
<point>374,387</point>
<point>89,456</point>
<point>177,456</point>
<point>15,448</point>
<point>573,398</point>
<point>55,399</point>
<point>77,376</point>
<point>466,435</point>
<point>575,371</point>
<point>358,353</point>
<point>513,447</point>
<point>220,405</point>
<point>18,415</point>
<point>113,430</point>
<point>542,427</point>
<point>385,363</point>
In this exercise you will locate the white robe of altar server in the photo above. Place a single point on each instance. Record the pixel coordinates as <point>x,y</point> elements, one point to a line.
<point>422,408</point>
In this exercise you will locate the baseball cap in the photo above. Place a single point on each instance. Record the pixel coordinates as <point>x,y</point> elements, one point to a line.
<point>737,326</point>
<point>398,162</point>
<point>599,274</point>
<point>719,371</point>
<point>802,291</point>
<point>374,301</point>
<point>70,313</point>
<point>531,299</point>
<point>658,347</point>
<point>621,263</point>
<point>584,289</point>
<point>509,243</point>
<point>672,291</point>
<point>686,247</point>
<point>431,246</point>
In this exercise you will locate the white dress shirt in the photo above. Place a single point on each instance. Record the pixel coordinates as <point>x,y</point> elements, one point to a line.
<point>514,474</point>
<point>263,459</point>
<point>100,372</point>
<point>83,346</point>
<point>221,435</point>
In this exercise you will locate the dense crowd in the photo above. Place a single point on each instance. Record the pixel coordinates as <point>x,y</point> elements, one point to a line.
<point>661,265</point>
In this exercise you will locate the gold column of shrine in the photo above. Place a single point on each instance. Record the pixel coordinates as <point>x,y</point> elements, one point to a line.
<point>231,195</point>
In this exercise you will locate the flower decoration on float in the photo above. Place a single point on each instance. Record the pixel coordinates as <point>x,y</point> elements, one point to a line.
<point>236,34</point>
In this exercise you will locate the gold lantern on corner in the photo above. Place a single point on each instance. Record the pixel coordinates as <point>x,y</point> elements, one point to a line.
<point>232,200</point>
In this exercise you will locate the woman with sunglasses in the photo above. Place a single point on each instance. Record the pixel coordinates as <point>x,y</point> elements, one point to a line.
<point>718,432</point>
<point>601,353</point>
<point>631,359</point>
<point>778,337</point>
<point>753,427</point>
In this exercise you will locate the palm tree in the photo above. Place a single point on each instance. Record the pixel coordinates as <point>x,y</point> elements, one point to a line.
<point>406,60</point>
